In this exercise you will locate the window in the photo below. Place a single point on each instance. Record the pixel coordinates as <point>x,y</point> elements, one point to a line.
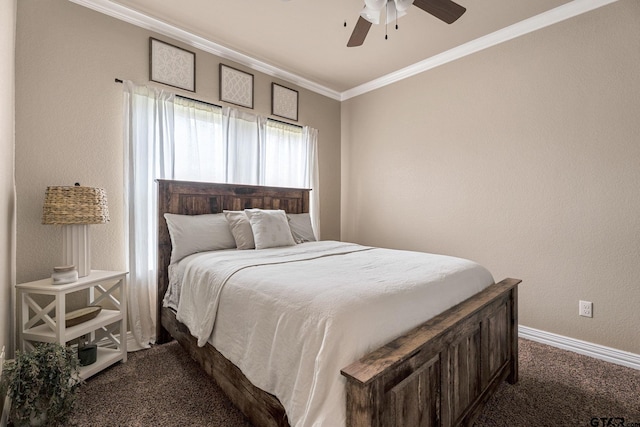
<point>222,145</point>
<point>169,137</point>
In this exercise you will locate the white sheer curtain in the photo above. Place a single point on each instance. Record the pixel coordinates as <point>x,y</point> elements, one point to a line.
<point>148,151</point>
<point>243,132</point>
<point>199,135</point>
<point>310,138</point>
<point>175,138</point>
<point>291,160</point>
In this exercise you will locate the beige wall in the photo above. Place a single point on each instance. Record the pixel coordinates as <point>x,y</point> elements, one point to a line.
<point>524,157</point>
<point>7,181</point>
<point>69,125</point>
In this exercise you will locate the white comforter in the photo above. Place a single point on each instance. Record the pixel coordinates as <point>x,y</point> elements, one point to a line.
<point>290,318</point>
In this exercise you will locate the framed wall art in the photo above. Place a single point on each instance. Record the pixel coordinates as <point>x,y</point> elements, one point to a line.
<point>236,87</point>
<point>284,102</point>
<point>172,65</point>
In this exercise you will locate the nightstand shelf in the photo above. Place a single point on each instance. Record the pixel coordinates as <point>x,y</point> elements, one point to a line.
<point>45,334</point>
<point>108,330</point>
<point>106,357</point>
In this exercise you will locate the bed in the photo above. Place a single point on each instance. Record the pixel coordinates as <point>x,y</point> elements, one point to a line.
<point>440,372</point>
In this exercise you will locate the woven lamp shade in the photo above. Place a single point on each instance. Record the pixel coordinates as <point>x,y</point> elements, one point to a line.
<point>75,205</point>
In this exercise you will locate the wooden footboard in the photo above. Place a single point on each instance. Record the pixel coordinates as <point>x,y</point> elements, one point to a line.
<point>442,372</point>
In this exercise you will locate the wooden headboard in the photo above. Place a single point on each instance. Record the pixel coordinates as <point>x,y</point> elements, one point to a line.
<point>197,198</point>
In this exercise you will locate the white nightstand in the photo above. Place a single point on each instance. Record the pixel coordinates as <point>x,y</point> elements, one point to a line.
<point>108,330</point>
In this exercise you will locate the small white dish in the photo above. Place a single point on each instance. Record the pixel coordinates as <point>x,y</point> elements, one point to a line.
<point>64,274</point>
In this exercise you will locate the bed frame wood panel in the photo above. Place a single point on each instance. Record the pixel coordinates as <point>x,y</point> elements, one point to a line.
<point>439,374</point>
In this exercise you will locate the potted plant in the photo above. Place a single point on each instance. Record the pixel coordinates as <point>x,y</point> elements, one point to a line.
<point>41,384</point>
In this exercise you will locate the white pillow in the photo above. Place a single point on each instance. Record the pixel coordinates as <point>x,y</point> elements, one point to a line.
<point>240,229</point>
<point>270,228</point>
<point>198,233</point>
<point>301,228</point>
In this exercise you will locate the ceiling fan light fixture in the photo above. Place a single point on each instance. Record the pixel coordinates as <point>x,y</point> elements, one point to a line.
<point>393,13</point>
<point>402,5</point>
<point>395,9</point>
<point>371,15</point>
<point>375,4</point>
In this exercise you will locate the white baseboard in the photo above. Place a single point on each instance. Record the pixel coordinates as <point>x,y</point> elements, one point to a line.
<point>597,351</point>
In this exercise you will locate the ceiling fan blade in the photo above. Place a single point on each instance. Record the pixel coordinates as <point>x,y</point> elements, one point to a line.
<point>445,10</point>
<point>359,32</point>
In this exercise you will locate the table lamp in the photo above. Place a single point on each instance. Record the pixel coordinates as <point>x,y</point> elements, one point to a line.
<point>75,208</point>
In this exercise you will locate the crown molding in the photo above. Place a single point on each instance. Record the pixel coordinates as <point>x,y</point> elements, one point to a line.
<point>143,21</point>
<point>561,13</point>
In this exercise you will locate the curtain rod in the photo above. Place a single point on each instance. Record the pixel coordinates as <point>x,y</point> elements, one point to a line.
<point>185,97</point>
<point>285,123</point>
<point>219,106</point>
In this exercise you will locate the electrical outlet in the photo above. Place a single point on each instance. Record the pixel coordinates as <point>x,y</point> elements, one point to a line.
<point>585,309</point>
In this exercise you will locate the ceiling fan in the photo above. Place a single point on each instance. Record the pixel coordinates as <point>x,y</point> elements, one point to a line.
<point>445,10</point>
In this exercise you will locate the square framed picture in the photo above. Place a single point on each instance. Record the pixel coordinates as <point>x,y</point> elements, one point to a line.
<point>284,102</point>
<point>236,87</point>
<point>172,65</point>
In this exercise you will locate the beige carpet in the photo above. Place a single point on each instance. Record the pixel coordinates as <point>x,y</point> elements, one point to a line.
<point>164,387</point>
